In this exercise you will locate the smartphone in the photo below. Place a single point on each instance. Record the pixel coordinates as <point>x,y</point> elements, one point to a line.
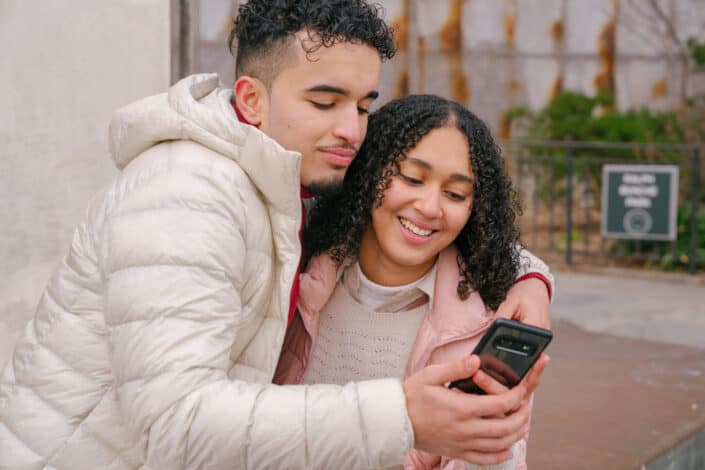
<point>507,351</point>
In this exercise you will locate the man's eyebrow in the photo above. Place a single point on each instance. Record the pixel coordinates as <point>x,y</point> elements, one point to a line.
<point>328,89</point>
<point>339,91</point>
<point>425,164</point>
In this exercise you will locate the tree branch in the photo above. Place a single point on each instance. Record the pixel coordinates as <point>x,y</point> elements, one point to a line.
<point>670,28</point>
<point>629,20</point>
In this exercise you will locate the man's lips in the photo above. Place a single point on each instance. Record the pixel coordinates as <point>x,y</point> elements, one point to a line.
<point>339,156</point>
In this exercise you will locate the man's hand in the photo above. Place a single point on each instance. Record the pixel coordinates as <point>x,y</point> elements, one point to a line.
<point>474,428</point>
<point>527,301</point>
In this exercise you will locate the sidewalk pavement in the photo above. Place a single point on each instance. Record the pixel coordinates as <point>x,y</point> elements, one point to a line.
<point>626,383</point>
<point>653,309</point>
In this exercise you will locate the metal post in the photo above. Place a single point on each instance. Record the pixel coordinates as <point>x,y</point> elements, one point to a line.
<point>569,207</point>
<point>552,208</point>
<point>535,203</point>
<point>587,204</point>
<point>184,15</point>
<point>694,201</point>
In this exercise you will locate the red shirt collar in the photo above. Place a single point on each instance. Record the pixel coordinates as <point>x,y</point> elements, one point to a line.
<point>305,193</point>
<point>240,116</point>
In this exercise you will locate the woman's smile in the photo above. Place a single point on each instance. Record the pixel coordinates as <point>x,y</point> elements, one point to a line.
<point>427,204</point>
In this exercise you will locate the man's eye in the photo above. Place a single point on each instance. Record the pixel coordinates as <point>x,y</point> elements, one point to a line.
<point>363,111</point>
<point>318,105</point>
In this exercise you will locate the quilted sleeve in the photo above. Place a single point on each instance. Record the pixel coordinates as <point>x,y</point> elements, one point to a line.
<point>517,462</point>
<point>532,266</point>
<point>174,269</point>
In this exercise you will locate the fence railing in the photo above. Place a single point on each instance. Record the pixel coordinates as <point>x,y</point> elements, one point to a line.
<point>561,188</point>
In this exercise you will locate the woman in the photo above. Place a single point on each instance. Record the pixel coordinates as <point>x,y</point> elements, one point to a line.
<point>409,261</point>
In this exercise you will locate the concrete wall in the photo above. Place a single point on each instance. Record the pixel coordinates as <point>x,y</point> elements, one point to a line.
<point>66,65</point>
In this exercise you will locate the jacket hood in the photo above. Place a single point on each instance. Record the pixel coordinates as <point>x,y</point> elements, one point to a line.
<point>197,109</point>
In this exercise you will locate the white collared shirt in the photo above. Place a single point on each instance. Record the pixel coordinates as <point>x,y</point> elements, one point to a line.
<point>384,298</point>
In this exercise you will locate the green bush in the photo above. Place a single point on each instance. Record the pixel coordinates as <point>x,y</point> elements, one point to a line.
<point>697,51</point>
<point>669,256</point>
<point>576,117</point>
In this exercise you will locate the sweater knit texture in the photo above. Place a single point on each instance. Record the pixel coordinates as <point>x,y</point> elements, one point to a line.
<point>357,343</point>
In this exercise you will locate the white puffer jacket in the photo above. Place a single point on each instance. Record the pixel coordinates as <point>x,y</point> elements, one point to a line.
<point>155,341</point>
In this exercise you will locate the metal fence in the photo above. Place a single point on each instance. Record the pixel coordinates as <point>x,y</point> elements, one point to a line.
<point>561,190</point>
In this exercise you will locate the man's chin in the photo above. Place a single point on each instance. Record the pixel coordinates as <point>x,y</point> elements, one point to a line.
<point>326,188</point>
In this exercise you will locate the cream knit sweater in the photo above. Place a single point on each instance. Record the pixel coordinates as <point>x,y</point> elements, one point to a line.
<point>358,341</point>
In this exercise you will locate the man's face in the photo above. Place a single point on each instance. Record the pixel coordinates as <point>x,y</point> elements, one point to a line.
<point>318,106</point>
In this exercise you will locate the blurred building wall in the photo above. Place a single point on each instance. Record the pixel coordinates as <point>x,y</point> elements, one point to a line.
<point>200,38</point>
<point>66,65</point>
<point>495,54</point>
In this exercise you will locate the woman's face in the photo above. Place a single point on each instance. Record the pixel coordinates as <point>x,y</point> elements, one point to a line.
<point>422,212</point>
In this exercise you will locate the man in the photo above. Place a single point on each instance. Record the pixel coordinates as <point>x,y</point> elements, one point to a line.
<point>155,342</point>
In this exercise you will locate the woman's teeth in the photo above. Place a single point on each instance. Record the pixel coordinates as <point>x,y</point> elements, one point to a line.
<point>414,229</point>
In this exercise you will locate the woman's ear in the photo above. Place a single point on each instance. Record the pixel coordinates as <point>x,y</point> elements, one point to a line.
<point>252,99</point>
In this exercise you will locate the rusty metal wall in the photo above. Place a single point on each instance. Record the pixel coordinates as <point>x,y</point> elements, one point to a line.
<point>492,55</point>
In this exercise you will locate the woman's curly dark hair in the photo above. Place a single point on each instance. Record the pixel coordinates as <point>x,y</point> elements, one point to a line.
<point>488,249</point>
<point>263,25</point>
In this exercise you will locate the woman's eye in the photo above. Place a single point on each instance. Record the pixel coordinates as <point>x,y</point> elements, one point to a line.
<point>363,111</point>
<point>456,196</point>
<point>318,105</point>
<point>410,179</point>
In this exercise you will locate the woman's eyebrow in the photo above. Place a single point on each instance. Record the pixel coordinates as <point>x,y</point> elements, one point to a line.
<point>465,178</point>
<point>419,162</point>
<point>428,166</point>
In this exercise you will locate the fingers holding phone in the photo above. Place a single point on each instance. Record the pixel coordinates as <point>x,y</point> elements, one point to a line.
<point>507,351</point>
<point>479,426</point>
<point>459,425</point>
<point>494,383</point>
<point>533,377</point>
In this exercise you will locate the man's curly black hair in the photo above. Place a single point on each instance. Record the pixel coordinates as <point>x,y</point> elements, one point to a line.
<point>264,28</point>
<point>488,249</point>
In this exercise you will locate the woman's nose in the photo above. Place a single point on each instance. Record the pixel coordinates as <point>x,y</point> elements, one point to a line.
<point>429,204</point>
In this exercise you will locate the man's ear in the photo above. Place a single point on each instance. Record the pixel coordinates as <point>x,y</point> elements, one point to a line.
<point>252,99</point>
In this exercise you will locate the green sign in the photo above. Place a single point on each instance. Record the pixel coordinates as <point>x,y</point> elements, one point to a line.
<point>639,201</point>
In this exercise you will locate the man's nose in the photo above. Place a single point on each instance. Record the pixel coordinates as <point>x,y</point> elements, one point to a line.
<point>350,125</point>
